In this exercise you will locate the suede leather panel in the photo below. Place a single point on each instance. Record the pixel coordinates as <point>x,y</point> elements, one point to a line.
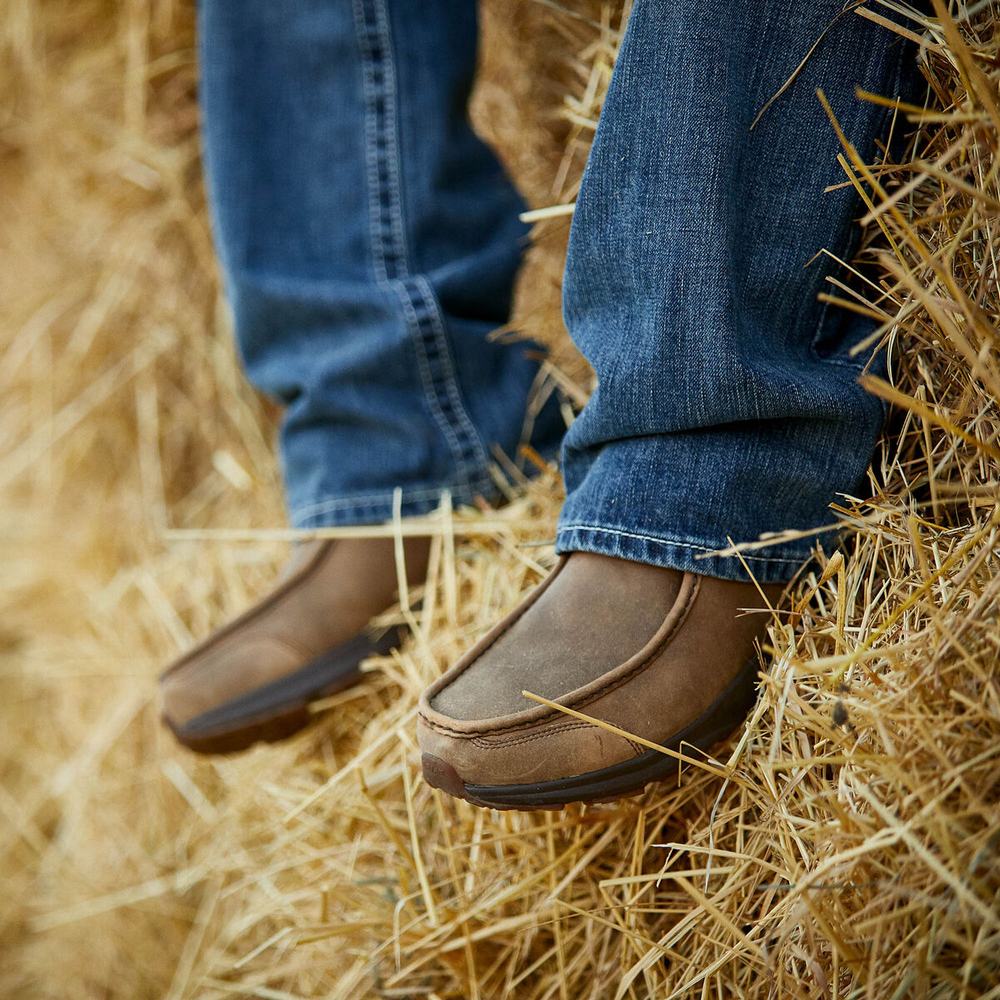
<point>574,699</point>
<point>590,618</point>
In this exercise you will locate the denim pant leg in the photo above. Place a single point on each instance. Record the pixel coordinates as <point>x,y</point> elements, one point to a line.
<point>727,404</point>
<point>369,242</point>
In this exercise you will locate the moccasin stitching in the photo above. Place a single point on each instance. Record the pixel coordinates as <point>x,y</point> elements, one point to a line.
<point>486,744</point>
<point>654,655</point>
<point>637,668</point>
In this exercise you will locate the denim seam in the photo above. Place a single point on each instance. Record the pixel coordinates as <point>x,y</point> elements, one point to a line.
<point>391,126</point>
<point>671,541</point>
<point>448,366</point>
<point>389,246</point>
<point>374,499</point>
<point>460,454</point>
<point>372,165</point>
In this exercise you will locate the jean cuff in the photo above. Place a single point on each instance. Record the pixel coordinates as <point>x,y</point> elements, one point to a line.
<point>379,507</point>
<point>775,565</point>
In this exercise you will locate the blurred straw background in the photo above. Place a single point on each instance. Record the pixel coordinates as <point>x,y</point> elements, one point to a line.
<point>850,852</point>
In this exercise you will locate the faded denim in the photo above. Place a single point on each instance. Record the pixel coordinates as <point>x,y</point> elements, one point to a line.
<point>727,403</point>
<point>370,243</point>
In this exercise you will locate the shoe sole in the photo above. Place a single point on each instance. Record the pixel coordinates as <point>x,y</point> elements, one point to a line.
<point>618,781</point>
<point>280,709</point>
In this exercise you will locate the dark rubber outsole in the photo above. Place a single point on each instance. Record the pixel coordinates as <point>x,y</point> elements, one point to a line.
<point>618,781</point>
<point>278,710</point>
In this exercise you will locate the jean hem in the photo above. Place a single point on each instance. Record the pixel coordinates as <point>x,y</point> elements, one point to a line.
<point>684,554</point>
<point>378,508</point>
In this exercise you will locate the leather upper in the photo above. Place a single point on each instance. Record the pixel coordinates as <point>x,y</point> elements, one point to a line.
<point>670,679</point>
<point>329,594</point>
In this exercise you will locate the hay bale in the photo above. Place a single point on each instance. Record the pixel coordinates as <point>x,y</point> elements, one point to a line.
<point>852,849</point>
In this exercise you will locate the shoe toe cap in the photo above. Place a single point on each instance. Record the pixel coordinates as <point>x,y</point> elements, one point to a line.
<point>555,748</point>
<point>207,680</point>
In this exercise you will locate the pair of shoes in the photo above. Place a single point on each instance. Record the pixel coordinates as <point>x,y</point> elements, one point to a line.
<point>663,656</point>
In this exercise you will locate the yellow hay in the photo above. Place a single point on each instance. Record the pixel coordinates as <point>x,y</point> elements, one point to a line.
<point>850,850</point>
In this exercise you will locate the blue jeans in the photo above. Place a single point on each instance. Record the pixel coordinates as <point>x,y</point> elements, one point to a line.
<point>370,242</point>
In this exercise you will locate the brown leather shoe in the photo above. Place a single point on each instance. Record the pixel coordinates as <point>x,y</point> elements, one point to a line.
<point>254,678</point>
<point>664,655</point>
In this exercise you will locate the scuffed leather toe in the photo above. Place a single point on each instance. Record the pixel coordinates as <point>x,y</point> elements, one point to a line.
<point>520,756</point>
<point>223,673</point>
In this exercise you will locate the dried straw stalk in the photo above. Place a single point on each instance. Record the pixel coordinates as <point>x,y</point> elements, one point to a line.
<point>850,851</point>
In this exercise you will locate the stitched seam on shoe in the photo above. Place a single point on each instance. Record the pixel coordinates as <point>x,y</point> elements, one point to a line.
<point>502,744</point>
<point>638,668</point>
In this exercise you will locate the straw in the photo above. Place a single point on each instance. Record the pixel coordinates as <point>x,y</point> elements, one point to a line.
<point>843,844</point>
